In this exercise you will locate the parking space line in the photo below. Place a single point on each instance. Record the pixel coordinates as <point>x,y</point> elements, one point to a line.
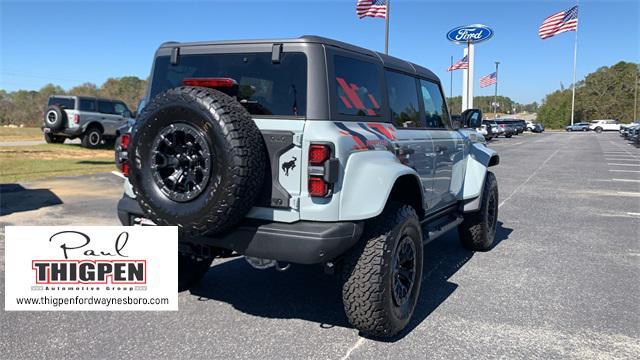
<point>629,171</point>
<point>530,177</point>
<point>633,214</point>
<point>621,159</point>
<point>354,347</point>
<point>118,174</point>
<point>614,164</point>
<point>626,180</point>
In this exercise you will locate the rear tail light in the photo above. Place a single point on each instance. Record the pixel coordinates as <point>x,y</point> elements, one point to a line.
<point>124,141</point>
<point>318,154</point>
<point>76,119</point>
<point>125,169</point>
<point>317,186</point>
<point>323,170</point>
<point>122,154</point>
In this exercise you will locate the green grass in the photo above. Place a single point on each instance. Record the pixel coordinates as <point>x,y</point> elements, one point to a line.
<point>24,163</point>
<point>20,134</point>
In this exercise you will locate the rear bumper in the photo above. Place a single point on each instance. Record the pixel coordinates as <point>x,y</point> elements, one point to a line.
<point>302,242</point>
<point>68,132</point>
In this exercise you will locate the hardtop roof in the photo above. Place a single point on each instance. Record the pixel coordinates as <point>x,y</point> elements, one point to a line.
<point>387,60</point>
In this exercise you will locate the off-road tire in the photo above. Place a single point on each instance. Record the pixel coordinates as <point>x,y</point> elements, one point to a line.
<point>367,271</point>
<point>53,139</point>
<point>477,231</point>
<point>191,270</point>
<point>237,160</point>
<point>92,137</point>
<point>55,117</point>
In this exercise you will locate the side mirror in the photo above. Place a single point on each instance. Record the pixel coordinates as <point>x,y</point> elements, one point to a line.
<point>472,118</point>
<point>134,114</point>
<point>456,123</point>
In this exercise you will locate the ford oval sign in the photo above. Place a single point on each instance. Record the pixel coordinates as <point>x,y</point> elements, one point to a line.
<point>470,34</point>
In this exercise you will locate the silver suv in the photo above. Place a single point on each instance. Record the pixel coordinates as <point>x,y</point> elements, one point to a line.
<point>91,119</point>
<point>308,151</point>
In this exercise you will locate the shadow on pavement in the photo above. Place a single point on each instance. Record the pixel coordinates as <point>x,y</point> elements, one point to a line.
<point>15,198</point>
<point>305,292</point>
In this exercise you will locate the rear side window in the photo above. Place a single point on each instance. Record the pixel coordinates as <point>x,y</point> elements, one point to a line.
<point>265,88</point>
<point>357,87</point>
<point>66,103</point>
<point>87,105</point>
<point>105,107</point>
<point>435,109</point>
<point>403,100</point>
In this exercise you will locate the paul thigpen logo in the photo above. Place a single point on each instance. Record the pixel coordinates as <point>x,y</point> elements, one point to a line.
<point>117,269</point>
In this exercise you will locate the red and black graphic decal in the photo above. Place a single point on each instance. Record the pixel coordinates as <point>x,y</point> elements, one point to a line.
<point>352,99</point>
<point>361,140</point>
<point>383,136</point>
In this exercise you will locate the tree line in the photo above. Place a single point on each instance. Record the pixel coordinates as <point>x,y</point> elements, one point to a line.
<point>607,93</point>
<point>25,107</point>
<point>485,103</point>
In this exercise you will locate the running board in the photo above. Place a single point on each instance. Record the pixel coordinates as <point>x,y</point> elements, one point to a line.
<point>437,227</point>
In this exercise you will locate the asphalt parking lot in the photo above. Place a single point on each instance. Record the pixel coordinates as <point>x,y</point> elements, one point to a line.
<point>563,280</point>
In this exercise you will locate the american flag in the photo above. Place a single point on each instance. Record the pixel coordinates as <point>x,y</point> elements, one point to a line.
<point>488,80</point>
<point>559,23</point>
<point>461,64</point>
<point>373,8</point>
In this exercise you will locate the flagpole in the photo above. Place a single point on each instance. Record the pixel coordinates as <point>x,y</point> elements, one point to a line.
<point>575,56</point>
<point>386,32</point>
<point>468,69</point>
<point>495,95</point>
<point>451,82</point>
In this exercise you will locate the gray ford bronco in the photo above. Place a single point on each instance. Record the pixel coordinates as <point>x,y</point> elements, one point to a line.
<point>308,151</point>
<point>88,118</point>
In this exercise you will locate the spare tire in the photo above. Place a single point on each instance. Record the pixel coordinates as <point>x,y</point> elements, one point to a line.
<point>55,117</point>
<point>197,160</point>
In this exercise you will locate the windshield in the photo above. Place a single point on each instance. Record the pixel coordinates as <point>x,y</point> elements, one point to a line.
<point>265,88</point>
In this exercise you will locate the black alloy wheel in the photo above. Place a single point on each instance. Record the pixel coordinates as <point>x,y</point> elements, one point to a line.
<point>182,162</point>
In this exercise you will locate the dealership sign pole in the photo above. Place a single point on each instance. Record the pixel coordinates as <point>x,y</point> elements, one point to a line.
<point>469,35</point>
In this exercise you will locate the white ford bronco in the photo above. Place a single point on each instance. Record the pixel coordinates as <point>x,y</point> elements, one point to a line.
<point>308,151</point>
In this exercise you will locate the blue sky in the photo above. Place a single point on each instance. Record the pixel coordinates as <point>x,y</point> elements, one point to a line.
<point>71,42</point>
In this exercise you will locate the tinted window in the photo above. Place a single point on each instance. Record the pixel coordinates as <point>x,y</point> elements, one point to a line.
<point>403,100</point>
<point>105,107</point>
<point>66,103</point>
<point>87,105</point>
<point>435,109</point>
<point>264,88</point>
<point>120,108</point>
<point>357,87</point>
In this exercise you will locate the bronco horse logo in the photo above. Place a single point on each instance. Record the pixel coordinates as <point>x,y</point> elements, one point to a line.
<point>289,165</point>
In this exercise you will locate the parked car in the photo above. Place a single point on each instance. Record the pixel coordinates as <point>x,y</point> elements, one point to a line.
<point>632,132</point>
<point>325,153</point>
<point>537,128</point>
<point>604,125</point>
<point>90,119</point>
<point>625,128</point>
<point>582,126</point>
<point>507,127</point>
<point>492,128</point>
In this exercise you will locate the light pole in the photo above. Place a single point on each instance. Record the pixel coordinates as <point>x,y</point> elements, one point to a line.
<point>635,102</point>
<point>495,95</point>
